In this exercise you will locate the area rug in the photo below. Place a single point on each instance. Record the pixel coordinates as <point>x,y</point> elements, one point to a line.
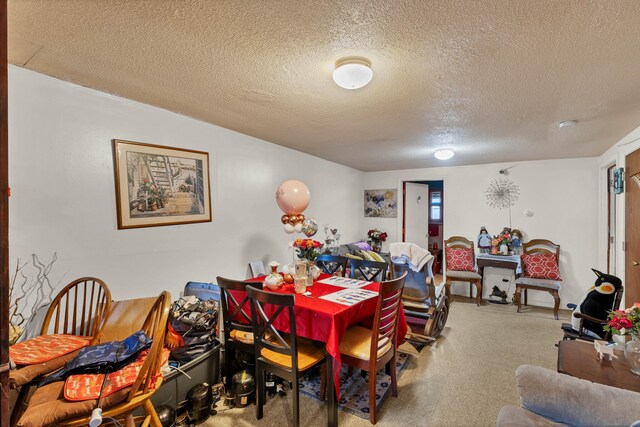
<point>354,392</point>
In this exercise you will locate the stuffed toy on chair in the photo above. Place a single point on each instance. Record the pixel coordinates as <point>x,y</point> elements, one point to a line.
<point>597,302</point>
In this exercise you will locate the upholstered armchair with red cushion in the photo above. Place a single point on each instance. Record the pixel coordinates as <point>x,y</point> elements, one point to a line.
<point>541,271</point>
<point>460,264</point>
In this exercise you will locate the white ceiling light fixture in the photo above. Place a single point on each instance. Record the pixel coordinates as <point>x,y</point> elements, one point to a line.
<point>352,72</point>
<point>567,123</point>
<point>444,154</point>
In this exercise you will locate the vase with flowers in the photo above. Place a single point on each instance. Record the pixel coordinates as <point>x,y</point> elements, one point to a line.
<point>627,322</point>
<point>377,237</point>
<point>308,250</point>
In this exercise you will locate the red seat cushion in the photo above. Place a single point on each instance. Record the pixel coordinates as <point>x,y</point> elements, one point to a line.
<point>541,266</point>
<point>46,347</point>
<point>459,259</point>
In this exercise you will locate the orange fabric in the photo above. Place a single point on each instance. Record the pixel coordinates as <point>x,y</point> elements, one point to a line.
<point>46,347</point>
<point>87,386</point>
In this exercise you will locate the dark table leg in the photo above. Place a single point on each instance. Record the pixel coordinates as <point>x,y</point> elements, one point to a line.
<point>332,400</point>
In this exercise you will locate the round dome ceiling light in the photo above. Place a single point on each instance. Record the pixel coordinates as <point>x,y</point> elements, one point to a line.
<point>444,154</point>
<point>352,73</point>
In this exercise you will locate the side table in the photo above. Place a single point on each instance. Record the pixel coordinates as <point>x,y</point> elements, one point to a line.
<point>579,359</point>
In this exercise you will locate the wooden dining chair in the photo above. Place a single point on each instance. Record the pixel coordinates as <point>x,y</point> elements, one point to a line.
<point>81,308</point>
<point>460,264</point>
<point>332,264</point>
<point>372,349</point>
<point>123,403</point>
<point>529,280</point>
<point>236,321</point>
<point>288,357</point>
<point>370,270</point>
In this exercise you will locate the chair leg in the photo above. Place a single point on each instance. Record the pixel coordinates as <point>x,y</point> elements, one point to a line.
<point>518,296</point>
<point>19,406</point>
<point>470,290</point>
<point>526,296</point>
<point>151,411</point>
<point>556,304</point>
<point>349,370</point>
<point>323,382</point>
<point>478,291</point>
<point>296,400</point>
<point>261,390</point>
<point>129,421</point>
<point>394,374</point>
<point>372,395</point>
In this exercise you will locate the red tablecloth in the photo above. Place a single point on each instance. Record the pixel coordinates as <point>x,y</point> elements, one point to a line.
<point>327,321</point>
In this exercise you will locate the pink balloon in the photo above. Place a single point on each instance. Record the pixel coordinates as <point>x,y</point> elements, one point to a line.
<point>293,197</point>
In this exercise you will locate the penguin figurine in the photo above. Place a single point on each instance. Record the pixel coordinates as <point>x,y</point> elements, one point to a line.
<point>597,302</point>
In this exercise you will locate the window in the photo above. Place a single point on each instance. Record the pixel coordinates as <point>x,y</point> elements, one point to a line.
<point>436,206</point>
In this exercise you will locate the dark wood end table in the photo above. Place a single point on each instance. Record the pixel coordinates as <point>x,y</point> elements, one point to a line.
<point>579,359</point>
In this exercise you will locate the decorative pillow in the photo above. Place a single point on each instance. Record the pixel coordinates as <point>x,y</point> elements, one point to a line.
<point>366,255</point>
<point>352,256</point>
<point>46,347</point>
<point>362,245</point>
<point>541,266</point>
<point>459,259</point>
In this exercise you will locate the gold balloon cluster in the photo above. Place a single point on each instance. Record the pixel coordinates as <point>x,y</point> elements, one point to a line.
<point>292,222</point>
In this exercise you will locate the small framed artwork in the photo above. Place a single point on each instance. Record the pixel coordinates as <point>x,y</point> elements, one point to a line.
<point>158,185</point>
<point>381,203</point>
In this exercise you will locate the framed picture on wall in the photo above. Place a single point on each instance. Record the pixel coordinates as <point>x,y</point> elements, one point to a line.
<point>381,203</point>
<point>158,185</point>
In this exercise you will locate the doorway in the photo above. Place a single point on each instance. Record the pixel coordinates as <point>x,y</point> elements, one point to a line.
<point>611,222</point>
<point>632,228</point>
<point>423,218</point>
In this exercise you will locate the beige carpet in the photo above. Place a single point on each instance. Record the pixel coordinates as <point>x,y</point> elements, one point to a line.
<point>461,380</point>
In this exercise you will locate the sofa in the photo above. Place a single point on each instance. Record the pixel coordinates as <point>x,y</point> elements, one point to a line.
<point>548,398</point>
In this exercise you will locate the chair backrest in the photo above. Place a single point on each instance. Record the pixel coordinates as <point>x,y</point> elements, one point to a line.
<point>541,246</point>
<point>370,270</point>
<point>155,326</point>
<point>80,308</point>
<point>330,264</point>
<point>265,335</point>
<point>235,315</point>
<point>257,268</point>
<point>385,322</point>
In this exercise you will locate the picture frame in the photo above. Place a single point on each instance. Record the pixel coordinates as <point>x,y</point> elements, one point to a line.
<point>381,203</point>
<point>158,185</point>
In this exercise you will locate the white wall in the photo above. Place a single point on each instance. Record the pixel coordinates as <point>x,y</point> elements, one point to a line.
<point>63,194</point>
<point>562,193</point>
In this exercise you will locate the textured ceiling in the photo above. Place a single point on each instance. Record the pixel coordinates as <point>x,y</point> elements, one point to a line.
<point>490,79</point>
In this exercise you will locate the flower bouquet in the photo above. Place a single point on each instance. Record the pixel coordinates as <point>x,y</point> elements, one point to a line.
<point>377,237</point>
<point>307,249</point>
<point>624,322</point>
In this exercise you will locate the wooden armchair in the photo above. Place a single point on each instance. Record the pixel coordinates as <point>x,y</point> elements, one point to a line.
<point>48,401</point>
<point>467,273</point>
<point>524,283</point>
<point>81,308</point>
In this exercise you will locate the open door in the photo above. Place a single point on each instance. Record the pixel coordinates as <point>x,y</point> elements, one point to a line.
<point>632,229</point>
<point>416,214</point>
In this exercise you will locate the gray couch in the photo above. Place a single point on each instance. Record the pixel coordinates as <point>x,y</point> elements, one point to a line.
<point>548,398</point>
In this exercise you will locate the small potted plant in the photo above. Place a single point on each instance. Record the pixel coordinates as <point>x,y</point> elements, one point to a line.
<point>377,237</point>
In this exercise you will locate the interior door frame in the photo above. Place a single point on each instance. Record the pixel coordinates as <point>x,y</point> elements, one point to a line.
<point>623,151</point>
<point>4,221</point>
<point>401,182</point>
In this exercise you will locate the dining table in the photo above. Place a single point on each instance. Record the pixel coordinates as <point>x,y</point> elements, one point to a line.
<point>327,321</point>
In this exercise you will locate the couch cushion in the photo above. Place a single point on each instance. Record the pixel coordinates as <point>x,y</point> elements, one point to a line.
<point>459,259</point>
<point>541,266</point>
<point>25,374</point>
<point>543,283</point>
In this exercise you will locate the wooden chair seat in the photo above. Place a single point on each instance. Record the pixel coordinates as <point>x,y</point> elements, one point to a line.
<point>452,274</point>
<point>309,354</point>
<point>241,336</point>
<point>540,283</point>
<point>356,342</point>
